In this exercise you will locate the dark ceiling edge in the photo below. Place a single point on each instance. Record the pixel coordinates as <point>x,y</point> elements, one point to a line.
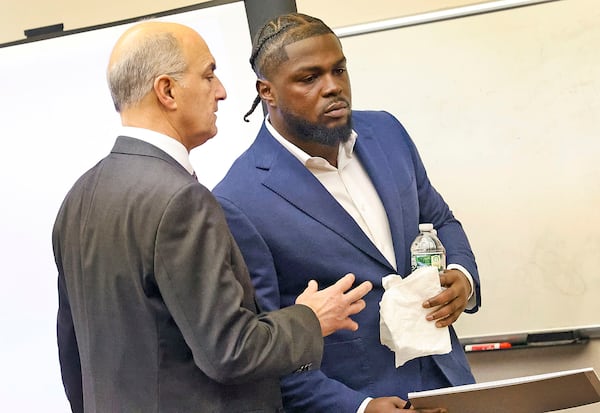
<point>192,7</point>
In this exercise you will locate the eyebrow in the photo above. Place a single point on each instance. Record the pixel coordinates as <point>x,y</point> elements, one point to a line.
<point>210,67</point>
<point>316,67</point>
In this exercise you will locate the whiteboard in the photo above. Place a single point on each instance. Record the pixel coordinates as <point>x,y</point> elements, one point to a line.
<point>505,110</point>
<point>57,120</point>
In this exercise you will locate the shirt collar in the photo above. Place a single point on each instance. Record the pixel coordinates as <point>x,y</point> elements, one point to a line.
<point>345,151</point>
<point>171,146</point>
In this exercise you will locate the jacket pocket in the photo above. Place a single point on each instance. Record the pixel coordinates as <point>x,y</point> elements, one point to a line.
<point>345,362</point>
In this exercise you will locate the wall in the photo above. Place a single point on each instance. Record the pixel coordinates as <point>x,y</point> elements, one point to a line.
<point>505,115</point>
<point>57,122</point>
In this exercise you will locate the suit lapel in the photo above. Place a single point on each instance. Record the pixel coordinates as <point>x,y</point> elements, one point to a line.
<point>376,163</point>
<point>292,181</point>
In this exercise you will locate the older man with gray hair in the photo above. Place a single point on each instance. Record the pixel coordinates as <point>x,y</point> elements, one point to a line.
<point>156,308</point>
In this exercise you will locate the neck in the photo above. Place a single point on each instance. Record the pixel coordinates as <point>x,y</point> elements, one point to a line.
<point>147,118</point>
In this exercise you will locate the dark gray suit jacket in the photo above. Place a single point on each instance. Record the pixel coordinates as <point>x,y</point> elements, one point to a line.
<point>156,309</point>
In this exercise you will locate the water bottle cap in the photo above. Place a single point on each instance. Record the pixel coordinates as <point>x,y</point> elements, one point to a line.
<point>425,227</point>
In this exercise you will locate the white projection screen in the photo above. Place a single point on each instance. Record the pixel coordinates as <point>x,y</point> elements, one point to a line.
<point>57,121</point>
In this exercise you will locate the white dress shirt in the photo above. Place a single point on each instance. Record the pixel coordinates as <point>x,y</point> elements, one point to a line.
<point>351,186</point>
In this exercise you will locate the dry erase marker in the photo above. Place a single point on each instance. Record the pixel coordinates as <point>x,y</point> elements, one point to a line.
<point>487,346</point>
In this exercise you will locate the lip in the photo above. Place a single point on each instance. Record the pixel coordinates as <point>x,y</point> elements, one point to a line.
<point>337,110</point>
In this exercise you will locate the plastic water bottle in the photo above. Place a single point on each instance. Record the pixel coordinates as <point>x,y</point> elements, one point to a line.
<point>427,249</point>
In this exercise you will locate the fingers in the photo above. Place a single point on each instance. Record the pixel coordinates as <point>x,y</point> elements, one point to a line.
<point>444,320</point>
<point>450,303</point>
<point>313,286</point>
<point>356,307</point>
<point>359,291</point>
<point>454,292</point>
<point>386,405</point>
<point>334,305</point>
<point>356,293</point>
<point>348,324</point>
<point>310,289</point>
<point>442,298</point>
<point>446,314</point>
<point>345,282</point>
<point>354,300</point>
<point>446,278</point>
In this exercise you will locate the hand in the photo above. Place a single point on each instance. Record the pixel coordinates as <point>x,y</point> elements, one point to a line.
<point>450,303</point>
<point>394,405</point>
<point>334,305</point>
<point>386,405</point>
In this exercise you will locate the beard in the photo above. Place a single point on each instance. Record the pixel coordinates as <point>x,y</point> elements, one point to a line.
<point>314,132</point>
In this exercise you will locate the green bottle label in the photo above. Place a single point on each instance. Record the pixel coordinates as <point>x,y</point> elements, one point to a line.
<point>425,260</point>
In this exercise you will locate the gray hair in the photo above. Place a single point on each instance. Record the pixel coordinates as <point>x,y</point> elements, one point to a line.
<point>132,76</point>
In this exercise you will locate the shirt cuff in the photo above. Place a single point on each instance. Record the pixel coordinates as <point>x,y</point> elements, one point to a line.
<point>363,405</point>
<point>472,301</point>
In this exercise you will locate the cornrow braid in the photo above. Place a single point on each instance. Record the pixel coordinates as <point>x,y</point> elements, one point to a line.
<point>268,48</point>
<point>254,105</point>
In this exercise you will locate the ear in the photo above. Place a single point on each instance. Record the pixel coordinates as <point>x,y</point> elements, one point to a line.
<point>164,86</point>
<point>266,92</point>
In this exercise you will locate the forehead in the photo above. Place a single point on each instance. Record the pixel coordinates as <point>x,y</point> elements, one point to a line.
<point>196,50</point>
<point>315,51</point>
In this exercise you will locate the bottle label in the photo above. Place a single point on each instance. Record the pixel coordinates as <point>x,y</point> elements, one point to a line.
<point>424,260</point>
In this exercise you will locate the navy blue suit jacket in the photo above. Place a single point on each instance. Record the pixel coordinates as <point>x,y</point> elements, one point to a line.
<point>290,230</point>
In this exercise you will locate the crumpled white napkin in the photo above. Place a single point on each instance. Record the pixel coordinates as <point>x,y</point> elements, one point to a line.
<point>403,326</point>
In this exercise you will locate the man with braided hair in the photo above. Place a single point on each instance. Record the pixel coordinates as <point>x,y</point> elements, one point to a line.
<point>156,309</point>
<point>325,190</point>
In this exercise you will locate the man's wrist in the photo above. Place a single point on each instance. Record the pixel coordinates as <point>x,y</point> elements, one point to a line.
<point>363,405</point>
<point>472,299</point>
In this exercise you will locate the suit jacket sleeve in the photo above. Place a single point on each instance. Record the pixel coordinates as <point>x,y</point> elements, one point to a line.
<point>433,208</point>
<point>68,353</point>
<point>205,284</point>
<point>307,392</point>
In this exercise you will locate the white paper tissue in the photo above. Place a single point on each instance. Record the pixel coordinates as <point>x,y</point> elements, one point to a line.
<point>403,326</point>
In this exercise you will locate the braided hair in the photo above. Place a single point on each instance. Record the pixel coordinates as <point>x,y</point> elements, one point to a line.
<point>268,47</point>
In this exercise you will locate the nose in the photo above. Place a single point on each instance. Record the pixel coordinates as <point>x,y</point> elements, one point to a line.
<point>332,85</point>
<point>221,93</point>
